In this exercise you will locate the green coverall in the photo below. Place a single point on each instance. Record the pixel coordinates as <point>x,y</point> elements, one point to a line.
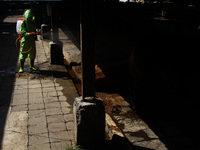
<point>27,46</point>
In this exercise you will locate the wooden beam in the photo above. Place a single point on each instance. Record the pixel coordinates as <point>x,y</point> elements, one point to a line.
<point>87,48</point>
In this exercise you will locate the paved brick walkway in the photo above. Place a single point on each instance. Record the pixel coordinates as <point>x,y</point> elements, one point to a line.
<point>40,114</point>
<point>36,107</point>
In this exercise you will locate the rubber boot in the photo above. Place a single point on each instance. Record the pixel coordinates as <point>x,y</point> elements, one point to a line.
<point>32,65</point>
<point>21,69</point>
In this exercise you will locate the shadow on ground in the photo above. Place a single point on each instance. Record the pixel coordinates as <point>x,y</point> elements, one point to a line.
<point>8,62</point>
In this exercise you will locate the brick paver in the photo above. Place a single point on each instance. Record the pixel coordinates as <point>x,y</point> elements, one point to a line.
<point>38,112</point>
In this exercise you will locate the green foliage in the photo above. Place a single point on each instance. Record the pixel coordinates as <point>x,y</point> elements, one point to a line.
<point>70,148</point>
<point>77,147</point>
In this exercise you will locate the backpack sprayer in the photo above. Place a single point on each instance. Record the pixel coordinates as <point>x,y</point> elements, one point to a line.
<point>19,22</point>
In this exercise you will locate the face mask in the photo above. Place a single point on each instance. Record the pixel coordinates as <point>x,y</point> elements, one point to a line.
<point>29,19</point>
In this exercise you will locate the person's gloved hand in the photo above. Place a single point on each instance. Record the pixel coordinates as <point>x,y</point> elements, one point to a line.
<point>32,33</point>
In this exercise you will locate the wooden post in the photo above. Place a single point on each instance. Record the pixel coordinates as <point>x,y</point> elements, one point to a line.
<point>54,22</point>
<point>87,48</point>
<point>89,114</point>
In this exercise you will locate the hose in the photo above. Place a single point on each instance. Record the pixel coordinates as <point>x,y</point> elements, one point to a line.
<point>16,43</point>
<point>20,41</point>
<point>19,48</point>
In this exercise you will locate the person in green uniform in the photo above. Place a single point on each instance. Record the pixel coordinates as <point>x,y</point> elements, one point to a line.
<point>27,45</point>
